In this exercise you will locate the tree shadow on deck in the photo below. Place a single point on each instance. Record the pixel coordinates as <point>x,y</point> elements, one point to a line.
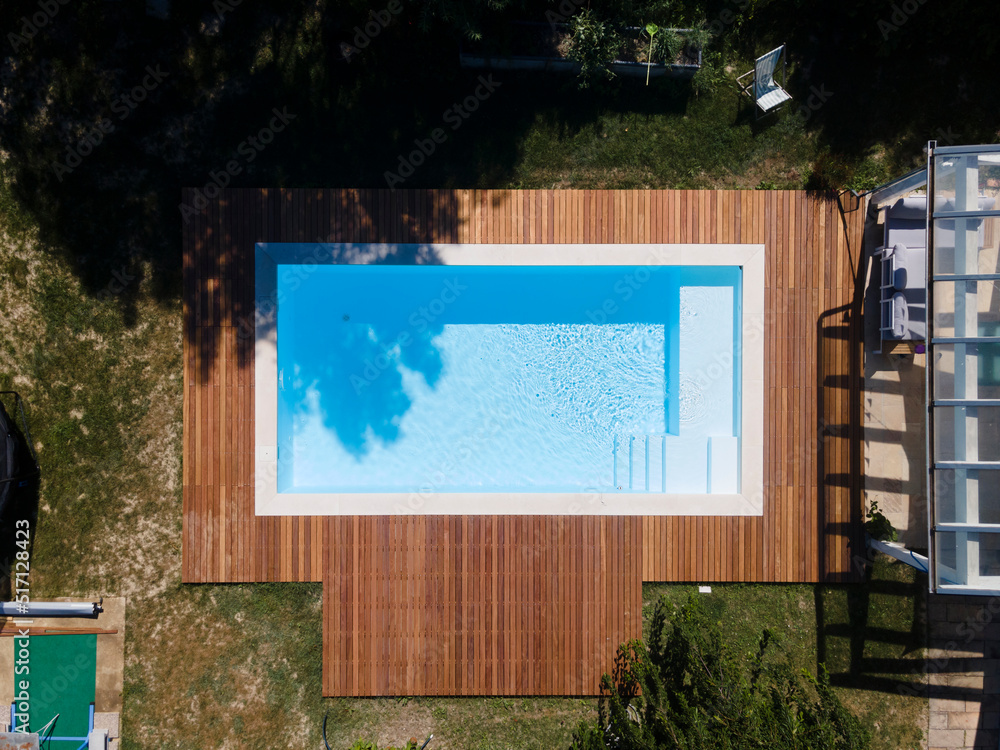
<point>105,123</point>
<point>838,432</point>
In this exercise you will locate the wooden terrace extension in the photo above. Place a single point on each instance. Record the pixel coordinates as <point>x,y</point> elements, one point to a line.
<point>501,605</point>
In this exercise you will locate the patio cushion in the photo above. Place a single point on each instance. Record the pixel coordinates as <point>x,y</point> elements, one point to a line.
<point>899,315</point>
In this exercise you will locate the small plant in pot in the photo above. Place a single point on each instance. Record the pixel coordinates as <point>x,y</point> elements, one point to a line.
<point>665,46</point>
<point>878,526</point>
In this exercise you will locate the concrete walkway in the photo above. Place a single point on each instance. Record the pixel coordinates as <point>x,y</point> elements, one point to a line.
<point>962,675</point>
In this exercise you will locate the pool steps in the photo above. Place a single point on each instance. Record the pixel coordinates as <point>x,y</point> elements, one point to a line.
<point>676,464</point>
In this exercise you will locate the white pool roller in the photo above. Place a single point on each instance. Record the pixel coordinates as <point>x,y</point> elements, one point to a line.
<point>50,609</point>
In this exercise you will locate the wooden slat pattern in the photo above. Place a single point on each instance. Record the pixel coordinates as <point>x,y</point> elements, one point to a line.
<point>477,605</point>
<point>489,605</point>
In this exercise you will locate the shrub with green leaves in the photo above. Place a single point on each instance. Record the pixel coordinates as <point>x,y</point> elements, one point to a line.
<point>698,38</point>
<point>710,76</point>
<point>595,44</point>
<point>688,690</point>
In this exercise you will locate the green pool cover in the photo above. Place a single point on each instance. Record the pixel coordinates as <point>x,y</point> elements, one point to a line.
<point>63,672</point>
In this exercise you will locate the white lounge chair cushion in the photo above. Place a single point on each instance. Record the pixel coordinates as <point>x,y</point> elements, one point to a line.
<point>899,257</point>
<point>773,98</point>
<point>899,315</point>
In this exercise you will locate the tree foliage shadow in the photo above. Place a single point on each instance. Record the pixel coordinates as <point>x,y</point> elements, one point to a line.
<point>107,199</point>
<point>116,214</point>
<point>896,74</point>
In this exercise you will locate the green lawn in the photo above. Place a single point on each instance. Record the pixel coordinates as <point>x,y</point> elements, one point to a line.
<point>870,638</point>
<point>227,662</point>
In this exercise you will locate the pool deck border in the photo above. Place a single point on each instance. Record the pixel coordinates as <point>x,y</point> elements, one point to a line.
<point>270,502</point>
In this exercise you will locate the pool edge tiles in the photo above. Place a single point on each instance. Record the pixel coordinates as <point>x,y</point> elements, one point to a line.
<point>268,501</point>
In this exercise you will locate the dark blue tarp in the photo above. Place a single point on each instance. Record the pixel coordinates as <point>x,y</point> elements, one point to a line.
<point>18,469</point>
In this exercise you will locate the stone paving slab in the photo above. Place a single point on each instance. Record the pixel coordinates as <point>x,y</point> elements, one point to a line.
<point>963,655</point>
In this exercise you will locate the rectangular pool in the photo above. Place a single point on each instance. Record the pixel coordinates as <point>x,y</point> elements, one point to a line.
<point>508,378</point>
<point>607,379</point>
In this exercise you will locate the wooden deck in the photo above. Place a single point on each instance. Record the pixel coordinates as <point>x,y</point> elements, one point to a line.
<point>502,605</point>
<point>477,605</point>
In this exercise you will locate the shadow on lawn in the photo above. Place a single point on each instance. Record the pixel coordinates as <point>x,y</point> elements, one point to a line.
<point>890,73</point>
<point>868,633</point>
<point>104,122</point>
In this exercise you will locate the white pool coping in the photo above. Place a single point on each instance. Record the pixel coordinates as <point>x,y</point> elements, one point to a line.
<point>269,502</point>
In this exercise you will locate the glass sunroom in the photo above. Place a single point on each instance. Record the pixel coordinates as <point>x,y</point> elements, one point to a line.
<point>963,373</point>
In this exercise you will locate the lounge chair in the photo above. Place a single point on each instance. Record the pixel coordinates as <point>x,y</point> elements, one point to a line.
<point>904,293</point>
<point>766,94</point>
<point>904,259</point>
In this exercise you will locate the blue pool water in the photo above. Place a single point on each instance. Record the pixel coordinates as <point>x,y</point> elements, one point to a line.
<point>508,378</point>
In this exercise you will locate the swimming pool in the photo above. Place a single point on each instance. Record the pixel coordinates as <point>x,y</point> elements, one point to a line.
<point>531,382</point>
<point>507,378</point>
